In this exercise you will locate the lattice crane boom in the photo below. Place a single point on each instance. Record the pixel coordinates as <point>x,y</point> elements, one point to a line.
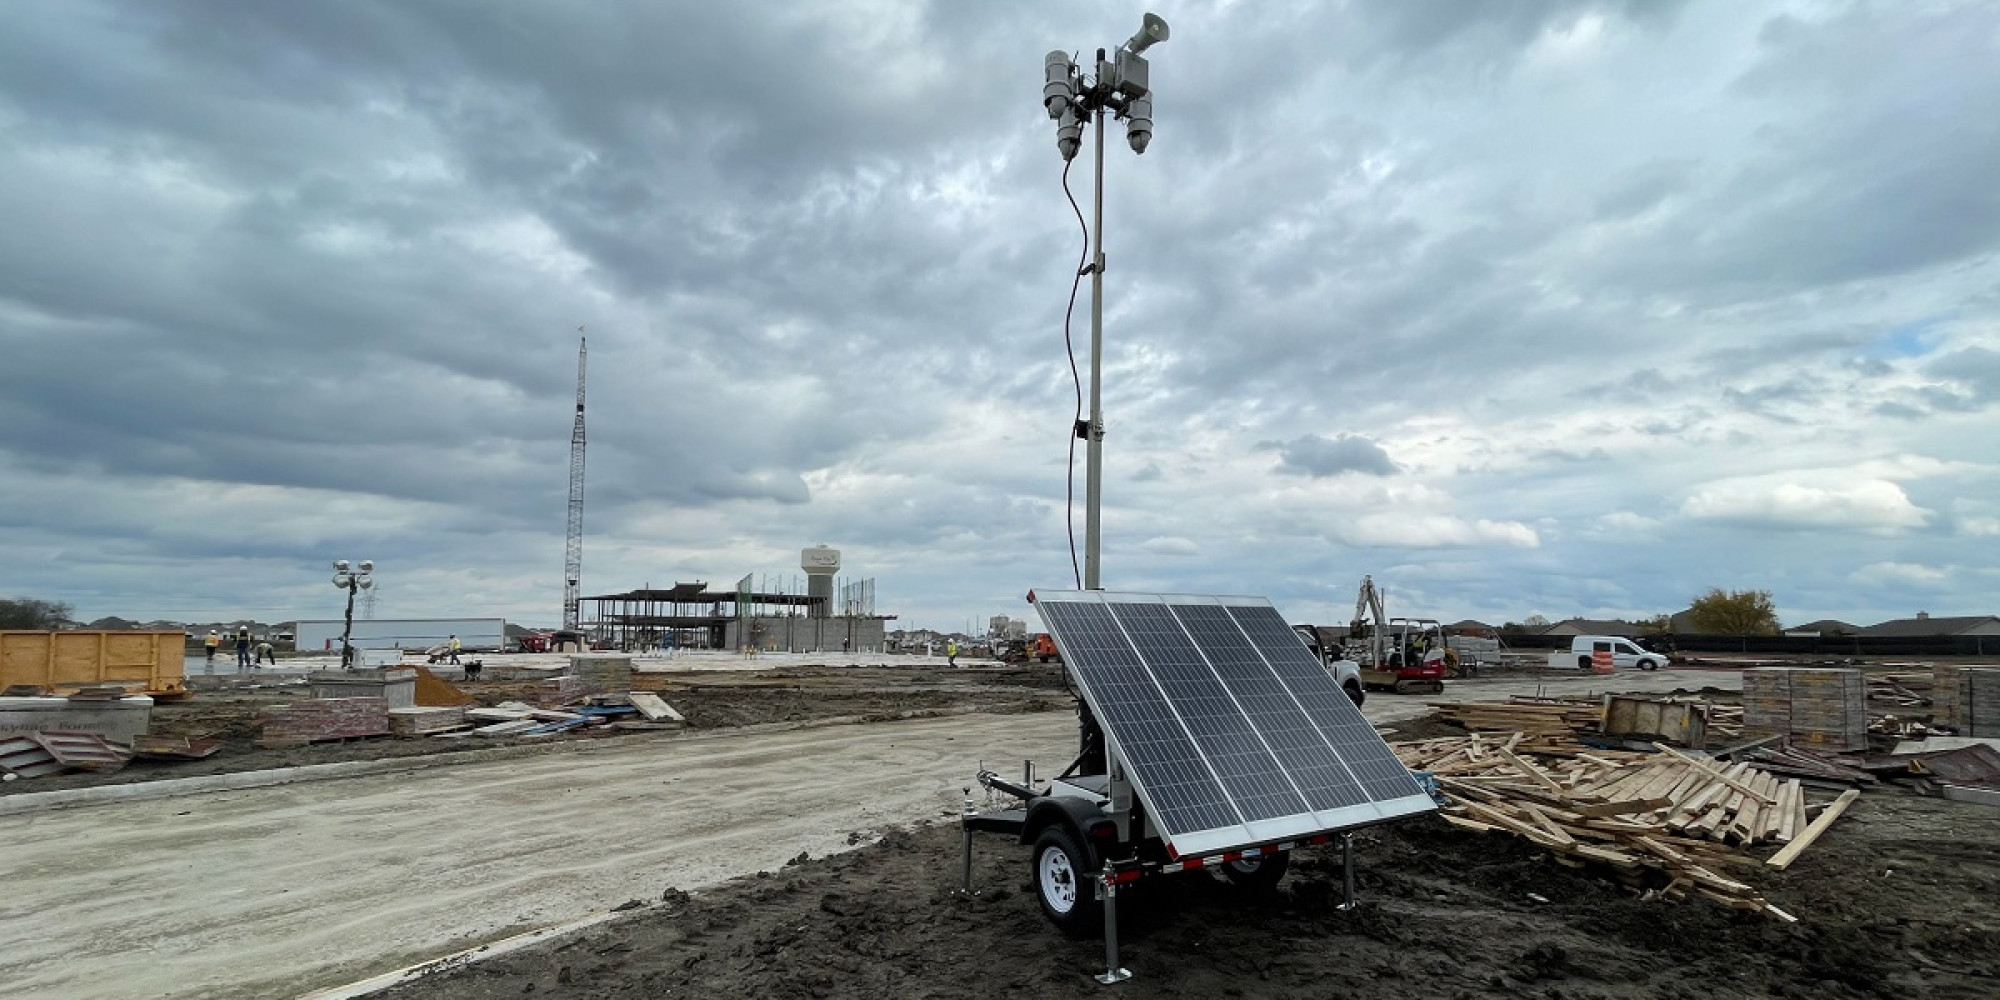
<point>573,544</point>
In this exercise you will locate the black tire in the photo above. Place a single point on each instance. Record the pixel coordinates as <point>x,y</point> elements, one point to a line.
<point>1258,874</point>
<point>1583,663</point>
<point>1649,664</point>
<point>1062,874</point>
<point>1354,693</point>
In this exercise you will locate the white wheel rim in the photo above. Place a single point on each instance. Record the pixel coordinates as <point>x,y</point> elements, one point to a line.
<point>1058,880</point>
<point>1247,866</point>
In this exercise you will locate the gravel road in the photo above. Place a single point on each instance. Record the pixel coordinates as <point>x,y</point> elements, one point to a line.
<point>275,891</point>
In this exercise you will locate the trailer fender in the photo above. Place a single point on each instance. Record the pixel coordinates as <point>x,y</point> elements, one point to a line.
<point>1094,829</point>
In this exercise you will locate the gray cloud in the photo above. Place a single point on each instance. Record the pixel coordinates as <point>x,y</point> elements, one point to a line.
<point>1317,455</point>
<point>282,283</point>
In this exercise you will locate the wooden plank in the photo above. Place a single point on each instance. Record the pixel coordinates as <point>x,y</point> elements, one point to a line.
<point>1460,821</point>
<point>1542,820</point>
<point>1531,771</point>
<point>1784,858</point>
<point>1695,762</point>
<point>1626,807</point>
<point>653,707</point>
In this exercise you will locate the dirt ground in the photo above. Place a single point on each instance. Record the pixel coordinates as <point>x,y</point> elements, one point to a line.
<point>708,699</point>
<point>1899,900</point>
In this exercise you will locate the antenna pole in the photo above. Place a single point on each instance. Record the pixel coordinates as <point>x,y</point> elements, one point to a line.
<point>1094,452</point>
<point>573,543</point>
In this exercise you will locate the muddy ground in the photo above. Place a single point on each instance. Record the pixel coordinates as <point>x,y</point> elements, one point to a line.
<point>707,699</point>
<point>1899,900</point>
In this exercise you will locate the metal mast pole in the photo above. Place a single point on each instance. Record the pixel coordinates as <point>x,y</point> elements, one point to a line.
<point>1094,451</point>
<point>573,544</point>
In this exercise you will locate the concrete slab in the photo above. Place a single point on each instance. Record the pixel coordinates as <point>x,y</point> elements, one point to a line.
<point>117,721</point>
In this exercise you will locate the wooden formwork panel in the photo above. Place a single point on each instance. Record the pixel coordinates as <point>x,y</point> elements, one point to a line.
<point>1979,701</point>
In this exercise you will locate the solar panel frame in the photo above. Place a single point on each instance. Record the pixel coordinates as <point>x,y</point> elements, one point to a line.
<point>1232,734</point>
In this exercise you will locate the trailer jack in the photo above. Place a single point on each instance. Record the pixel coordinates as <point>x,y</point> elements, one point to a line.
<point>1107,889</point>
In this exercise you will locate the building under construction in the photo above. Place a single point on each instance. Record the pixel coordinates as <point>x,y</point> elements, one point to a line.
<point>824,615</point>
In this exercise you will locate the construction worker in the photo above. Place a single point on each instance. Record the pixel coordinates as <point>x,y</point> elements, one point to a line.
<point>242,649</point>
<point>265,654</point>
<point>209,646</point>
<point>454,647</point>
<point>951,653</point>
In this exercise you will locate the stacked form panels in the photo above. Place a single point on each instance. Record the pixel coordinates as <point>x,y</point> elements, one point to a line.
<point>1824,708</point>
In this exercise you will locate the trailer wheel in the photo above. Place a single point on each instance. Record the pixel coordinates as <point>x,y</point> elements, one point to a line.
<point>1583,663</point>
<point>1354,693</point>
<point>1258,874</point>
<point>1063,883</point>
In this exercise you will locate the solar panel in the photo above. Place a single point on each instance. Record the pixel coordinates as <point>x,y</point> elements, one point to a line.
<point>1232,731</point>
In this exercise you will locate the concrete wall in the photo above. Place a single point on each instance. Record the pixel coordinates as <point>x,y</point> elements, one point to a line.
<point>805,635</point>
<point>403,633</point>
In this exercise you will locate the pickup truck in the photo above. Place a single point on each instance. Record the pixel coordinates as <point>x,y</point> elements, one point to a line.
<point>1625,655</point>
<point>1346,672</point>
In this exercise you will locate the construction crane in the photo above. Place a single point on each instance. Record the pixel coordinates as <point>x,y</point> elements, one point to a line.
<point>573,546</point>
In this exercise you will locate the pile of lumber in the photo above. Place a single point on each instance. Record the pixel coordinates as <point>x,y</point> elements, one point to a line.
<point>1814,766</point>
<point>1549,722</point>
<point>1543,721</point>
<point>1666,822</point>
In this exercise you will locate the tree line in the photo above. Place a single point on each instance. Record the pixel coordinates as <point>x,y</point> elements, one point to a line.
<point>1716,612</point>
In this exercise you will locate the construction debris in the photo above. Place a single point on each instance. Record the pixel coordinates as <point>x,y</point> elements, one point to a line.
<point>174,747</point>
<point>35,755</point>
<point>1665,822</point>
<point>654,708</point>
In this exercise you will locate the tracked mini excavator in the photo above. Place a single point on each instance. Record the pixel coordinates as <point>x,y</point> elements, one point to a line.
<point>1404,655</point>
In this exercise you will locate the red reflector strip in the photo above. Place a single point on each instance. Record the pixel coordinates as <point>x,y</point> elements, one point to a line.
<point>1122,878</point>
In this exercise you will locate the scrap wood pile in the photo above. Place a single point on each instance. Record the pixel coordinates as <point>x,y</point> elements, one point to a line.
<point>1547,719</point>
<point>1667,823</point>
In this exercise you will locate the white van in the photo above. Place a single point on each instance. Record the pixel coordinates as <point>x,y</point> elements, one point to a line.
<point>1624,654</point>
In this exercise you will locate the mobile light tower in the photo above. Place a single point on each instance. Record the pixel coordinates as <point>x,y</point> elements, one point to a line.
<point>361,577</point>
<point>1122,89</point>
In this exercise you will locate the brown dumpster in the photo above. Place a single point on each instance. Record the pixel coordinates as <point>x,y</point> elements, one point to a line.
<point>66,661</point>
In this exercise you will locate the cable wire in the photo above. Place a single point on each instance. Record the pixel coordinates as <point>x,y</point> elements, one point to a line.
<point>1076,379</point>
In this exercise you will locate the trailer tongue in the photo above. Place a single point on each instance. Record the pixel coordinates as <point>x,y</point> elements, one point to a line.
<point>1209,737</point>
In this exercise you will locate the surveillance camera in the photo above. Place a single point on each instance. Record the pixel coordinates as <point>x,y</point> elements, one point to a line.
<point>1069,133</point>
<point>1152,30</point>
<point>1139,123</point>
<point>1058,89</point>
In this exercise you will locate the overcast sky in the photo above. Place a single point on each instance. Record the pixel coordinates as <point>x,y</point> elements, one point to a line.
<point>1523,308</point>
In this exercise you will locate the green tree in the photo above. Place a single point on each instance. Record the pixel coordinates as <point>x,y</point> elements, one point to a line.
<point>1656,625</point>
<point>32,615</point>
<point>1735,612</point>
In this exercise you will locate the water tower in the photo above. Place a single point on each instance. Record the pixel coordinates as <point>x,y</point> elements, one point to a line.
<point>820,564</point>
